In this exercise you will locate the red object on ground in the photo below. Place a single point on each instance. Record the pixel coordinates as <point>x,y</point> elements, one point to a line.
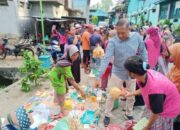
<point>105,76</point>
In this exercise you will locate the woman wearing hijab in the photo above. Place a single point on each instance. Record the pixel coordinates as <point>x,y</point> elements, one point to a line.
<point>62,73</point>
<point>153,44</point>
<point>159,93</point>
<point>174,73</point>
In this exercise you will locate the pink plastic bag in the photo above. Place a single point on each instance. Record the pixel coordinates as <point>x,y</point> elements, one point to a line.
<point>114,127</point>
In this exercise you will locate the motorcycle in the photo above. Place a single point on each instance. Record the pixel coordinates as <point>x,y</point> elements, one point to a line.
<point>54,50</point>
<point>16,50</point>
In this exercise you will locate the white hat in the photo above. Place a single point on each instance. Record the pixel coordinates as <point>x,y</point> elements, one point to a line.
<point>77,26</point>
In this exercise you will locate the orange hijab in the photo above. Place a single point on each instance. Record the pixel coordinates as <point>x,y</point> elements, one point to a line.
<point>174,74</point>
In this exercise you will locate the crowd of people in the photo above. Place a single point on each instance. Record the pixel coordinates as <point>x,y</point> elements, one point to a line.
<point>134,61</point>
<point>133,57</point>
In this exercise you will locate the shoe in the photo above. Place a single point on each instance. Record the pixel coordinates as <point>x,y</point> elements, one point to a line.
<point>106,121</point>
<point>123,110</point>
<point>128,117</point>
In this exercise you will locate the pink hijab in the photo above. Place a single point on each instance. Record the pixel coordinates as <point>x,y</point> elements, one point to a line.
<point>154,36</point>
<point>153,44</point>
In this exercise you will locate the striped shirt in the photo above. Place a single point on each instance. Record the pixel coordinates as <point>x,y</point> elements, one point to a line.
<point>121,50</point>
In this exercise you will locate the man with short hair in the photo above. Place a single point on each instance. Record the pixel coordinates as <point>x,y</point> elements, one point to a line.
<point>121,46</point>
<point>86,46</point>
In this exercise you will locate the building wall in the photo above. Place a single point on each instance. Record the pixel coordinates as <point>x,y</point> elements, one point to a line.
<point>8,20</point>
<point>164,10</point>
<point>137,6</point>
<point>82,5</point>
<point>15,19</point>
<point>51,10</point>
<point>25,22</point>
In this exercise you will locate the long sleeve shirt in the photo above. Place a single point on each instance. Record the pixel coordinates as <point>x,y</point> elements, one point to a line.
<point>121,50</point>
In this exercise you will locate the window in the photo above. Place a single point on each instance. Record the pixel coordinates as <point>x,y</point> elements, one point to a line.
<point>163,14</point>
<point>3,2</point>
<point>176,10</point>
<point>21,4</point>
<point>29,6</point>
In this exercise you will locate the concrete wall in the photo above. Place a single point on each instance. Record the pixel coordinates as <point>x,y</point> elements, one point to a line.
<point>82,5</point>
<point>9,19</point>
<point>15,19</point>
<point>10,72</point>
<point>51,10</point>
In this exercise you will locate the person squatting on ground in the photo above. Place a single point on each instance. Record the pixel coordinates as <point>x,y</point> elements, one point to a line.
<point>61,73</point>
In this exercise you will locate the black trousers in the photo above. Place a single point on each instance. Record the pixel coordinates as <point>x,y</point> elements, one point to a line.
<point>86,56</point>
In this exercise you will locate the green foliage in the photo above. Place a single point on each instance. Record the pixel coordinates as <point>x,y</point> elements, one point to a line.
<point>136,19</point>
<point>32,70</point>
<point>96,6</point>
<point>95,20</point>
<point>104,5</point>
<point>177,30</point>
<point>25,86</point>
<point>167,22</point>
<point>142,20</point>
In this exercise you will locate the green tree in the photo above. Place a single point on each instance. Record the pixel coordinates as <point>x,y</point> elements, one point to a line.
<point>167,22</point>
<point>32,69</point>
<point>95,20</point>
<point>96,6</point>
<point>106,4</point>
<point>142,20</point>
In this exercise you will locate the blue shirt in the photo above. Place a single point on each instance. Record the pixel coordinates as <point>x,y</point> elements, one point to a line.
<point>95,39</point>
<point>121,50</point>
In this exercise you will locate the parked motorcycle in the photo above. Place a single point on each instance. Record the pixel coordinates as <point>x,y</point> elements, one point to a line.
<point>16,50</point>
<point>54,50</point>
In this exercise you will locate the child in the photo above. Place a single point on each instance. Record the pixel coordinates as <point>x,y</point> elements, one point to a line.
<point>61,73</point>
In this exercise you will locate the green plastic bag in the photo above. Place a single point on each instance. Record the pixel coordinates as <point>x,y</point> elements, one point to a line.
<point>116,104</point>
<point>62,125</point>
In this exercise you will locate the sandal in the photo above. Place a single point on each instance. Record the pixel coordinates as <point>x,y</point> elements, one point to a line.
<point>57,116</point>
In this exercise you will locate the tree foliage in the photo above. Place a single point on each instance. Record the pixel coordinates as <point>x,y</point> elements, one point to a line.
<point>32,70</point>
<point>95,20</point>
<point>104,5</point>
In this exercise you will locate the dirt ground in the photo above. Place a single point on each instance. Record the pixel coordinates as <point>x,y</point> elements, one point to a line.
<point>12,97</point>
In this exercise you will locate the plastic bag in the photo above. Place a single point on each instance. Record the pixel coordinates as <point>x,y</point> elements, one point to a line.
<point>62,125</point>
<point>98,52</point>
<point>114,127</point>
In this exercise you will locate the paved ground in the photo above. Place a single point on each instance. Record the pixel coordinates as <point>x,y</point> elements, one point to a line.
<point>12,97</point>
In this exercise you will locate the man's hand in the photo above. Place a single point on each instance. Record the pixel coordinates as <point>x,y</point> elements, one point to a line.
<point>146,128</point>
<point>97,83</point>
<point>82,93</point>
<point>129,94</point>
